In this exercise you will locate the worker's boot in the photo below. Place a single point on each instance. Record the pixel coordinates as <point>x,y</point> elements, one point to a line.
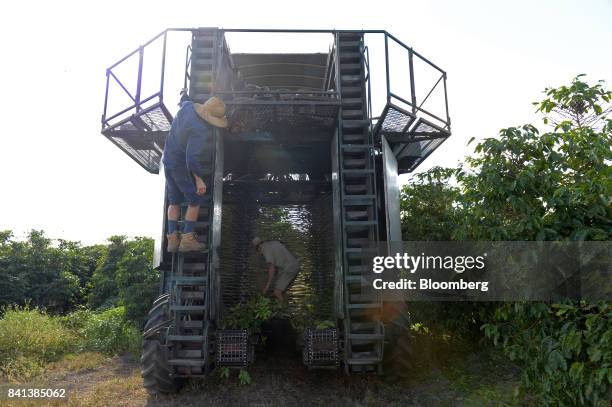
<point>173,242</point>
<point>189,243</point>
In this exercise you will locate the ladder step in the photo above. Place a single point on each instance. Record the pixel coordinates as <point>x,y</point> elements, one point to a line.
<point>364,306</point>
<point>191,324</point>
<point>186,362</point>
<point>363,361</point>
<point>351,68</point>
<point>182,280</point>
<point>355,199</point>
<point>349,43</point>
<point>358,269</point>
<point>367,337</point>
<point>353,138</point>
<point>185,338</point>
<point>351,78</point>
<point>356,215</point>
<point>355,189</point>
<point>194,267</point>
<point>356,147</point>
<point>360,171</point>
<point>202,53</point>
<point>352,113</point>
<point>351,90</point>
<point>192,295</point>
<point>351,101</point>
<point>349,56</point>
<point>187,308</point>
<point>355,124</point>
<point>366,251</point>
<point>360,242</point>
<point>356,326</point>
<point>356,280</point>
<point>351,163</point>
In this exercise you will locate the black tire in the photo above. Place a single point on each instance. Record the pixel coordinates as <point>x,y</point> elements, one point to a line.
<point>154,364</point>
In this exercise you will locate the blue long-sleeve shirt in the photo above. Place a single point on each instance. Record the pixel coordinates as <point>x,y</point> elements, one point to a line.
<point>186,141</point>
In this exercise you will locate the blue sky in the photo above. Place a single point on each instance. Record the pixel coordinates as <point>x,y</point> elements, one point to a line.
<point>58,173</point>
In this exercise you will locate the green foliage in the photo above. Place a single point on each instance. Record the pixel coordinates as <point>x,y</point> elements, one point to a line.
<point>224,372</point>
<point>30,338</point>
<point>37,272</point>
<point>566,349</point>
<point>325,324</point>
<point>104,292</point>
<point>251,314</point>
<point>138,283</point>
<point>428,205</point>
<point>108,332</point>
<point>244,377</point>
<point>529,185</point>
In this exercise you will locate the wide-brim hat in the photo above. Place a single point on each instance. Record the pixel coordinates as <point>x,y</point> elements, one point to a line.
<point>213,112</point>
<point>256,242</point>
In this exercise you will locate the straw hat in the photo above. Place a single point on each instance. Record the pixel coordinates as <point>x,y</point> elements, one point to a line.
<point>256,242</point>
<point>212,111</point>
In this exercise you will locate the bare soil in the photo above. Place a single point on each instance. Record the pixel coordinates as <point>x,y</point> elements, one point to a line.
<point>477,379</point>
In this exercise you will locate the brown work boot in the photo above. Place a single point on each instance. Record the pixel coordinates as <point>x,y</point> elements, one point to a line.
<point>173,242</point>
<point>189,243</point>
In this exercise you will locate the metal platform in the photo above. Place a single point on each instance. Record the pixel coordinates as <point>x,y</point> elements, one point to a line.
<point>142,135</point>
<point>411,138</point>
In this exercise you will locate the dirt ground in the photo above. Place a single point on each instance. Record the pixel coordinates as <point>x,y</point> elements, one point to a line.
<point>480,378</point>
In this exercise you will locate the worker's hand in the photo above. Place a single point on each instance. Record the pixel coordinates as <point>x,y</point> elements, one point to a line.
<point>200,186</point>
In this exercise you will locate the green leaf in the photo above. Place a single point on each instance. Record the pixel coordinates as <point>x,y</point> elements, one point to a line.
<point>244,377</point>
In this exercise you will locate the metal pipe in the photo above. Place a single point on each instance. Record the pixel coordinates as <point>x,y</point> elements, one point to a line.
<point>276,92</point>
<point>431,91</point>
<point>137,49</point>
<point>133,106</point>
<point>337,62</point>
<point>139,83</point>
<point>105,99</point>
<point>448,120</point>
<point>163,69</point>
<point>187,59</point>
<point>387,68</point>
<point>418,108</point>
<point>428,61</point>
<point>412,85</point>
<point>121,84</point>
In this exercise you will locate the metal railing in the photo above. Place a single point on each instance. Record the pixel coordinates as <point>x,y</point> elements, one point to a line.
<point>137,98</point>
<point>415,104</point>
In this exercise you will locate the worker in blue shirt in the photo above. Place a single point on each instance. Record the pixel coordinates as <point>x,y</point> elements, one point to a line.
<point>185,147</point>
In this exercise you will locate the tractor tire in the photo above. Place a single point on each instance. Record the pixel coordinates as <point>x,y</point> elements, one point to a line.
<point>155,370</point>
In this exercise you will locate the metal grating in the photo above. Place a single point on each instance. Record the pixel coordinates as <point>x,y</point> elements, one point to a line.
<point>321,347</point>
<point>142,136</point>
<point>233,348</point>
<point>396,120</point>
<point>156,120</point>
<point>245,117</point>
<point>307,231</point>
<point>426,128</point>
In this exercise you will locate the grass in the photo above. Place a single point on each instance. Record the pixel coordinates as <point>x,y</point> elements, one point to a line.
<point>79,362</point>
<point>32,340</point>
